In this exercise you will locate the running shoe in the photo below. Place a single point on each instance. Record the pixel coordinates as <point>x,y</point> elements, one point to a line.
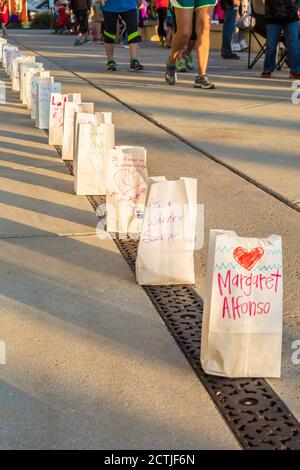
<point>243,44</point>
<point>181,67</point>
<point>231,56</point>
<point>201,81</point>
<point>266,74</point>
<point>86,40</point>
<point>136,66</point>
<point>171,75</point>
<point>77,42</point>
<point>189,61</point>
<point>295,75</point>
<point>111,66</point>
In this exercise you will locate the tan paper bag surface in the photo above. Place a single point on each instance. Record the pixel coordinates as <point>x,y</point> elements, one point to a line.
<point>242,320</point>
<point>166,247</point>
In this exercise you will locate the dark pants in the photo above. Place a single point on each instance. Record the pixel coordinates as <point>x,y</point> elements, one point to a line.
<point>82,21</point>
<point>291,36</point>
<point>162,16</point>
<point>228,30</point>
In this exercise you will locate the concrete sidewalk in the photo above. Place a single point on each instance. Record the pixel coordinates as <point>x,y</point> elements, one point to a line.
<point>89,363</point>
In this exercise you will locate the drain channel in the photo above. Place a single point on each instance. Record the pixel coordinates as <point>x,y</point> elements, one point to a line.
<point>255,414</point>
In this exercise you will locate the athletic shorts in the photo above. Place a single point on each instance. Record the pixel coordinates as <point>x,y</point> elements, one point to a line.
<point>110,26</point>
<point>193,3</point>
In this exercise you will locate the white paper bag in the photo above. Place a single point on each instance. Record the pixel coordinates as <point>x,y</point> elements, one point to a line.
<point>3,42</point>
<point>12,53</point>
<point>106,118</point>
<point>90,168</point>
<point>81,118</point>
<point>126,191</point>
<point>2,92</point>
<point>24,69</point>
<point>166,247</point>
<point>56,120</point>
<point>34,92</point>
<point>15,70</point>
<point>32,87</point>
<point>15,58</point>
<point>242,320</point>
<point>56,117</point>
<point>68,130</point>
<point>5,51</point>
<point>45,88</point>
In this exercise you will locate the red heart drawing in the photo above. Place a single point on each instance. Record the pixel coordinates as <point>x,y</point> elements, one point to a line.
<point>248,259</point>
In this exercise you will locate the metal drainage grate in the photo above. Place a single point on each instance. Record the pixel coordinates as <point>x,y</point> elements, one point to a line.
<point>255,414</point>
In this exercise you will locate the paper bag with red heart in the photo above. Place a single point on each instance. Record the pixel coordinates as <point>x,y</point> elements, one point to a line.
<point>126,189</point>
<point>242,319</point>
<point>167,242</point>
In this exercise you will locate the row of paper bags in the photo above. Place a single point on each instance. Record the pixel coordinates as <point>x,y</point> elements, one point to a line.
<point>242,320</point>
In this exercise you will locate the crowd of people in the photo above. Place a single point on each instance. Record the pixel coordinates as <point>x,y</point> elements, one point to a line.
<point>183,26</point>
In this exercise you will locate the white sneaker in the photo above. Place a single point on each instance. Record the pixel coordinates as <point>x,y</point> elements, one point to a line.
<point>243,45</point>
<point>236,47</point>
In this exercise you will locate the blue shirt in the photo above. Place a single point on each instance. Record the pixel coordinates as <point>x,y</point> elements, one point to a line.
<point>119,6</point>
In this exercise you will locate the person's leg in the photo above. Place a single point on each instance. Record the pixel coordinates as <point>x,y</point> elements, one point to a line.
<point>187,53</point>
<point>85,25</point>
<point>110,35</point>
<point>228,30</point>
<point>162,15</point>
<point>4,31</point>
<point>184,18</point>
<point>78,28</point>
<point>273,37</point>
<point>204,15</point>
<point>132,27</point>
<point>292,42</point>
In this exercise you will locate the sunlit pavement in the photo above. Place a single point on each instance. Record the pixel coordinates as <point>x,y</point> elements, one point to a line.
<point>50,308</point>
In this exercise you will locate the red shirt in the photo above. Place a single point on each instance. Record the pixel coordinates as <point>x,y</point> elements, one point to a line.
<point>4,14</point>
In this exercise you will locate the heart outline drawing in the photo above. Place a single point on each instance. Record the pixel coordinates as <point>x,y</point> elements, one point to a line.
<point>248,259</point>
<point>124,179</point>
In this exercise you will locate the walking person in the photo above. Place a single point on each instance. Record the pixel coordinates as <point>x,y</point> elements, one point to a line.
<point>162,13</point>
<point>184,10</point>
<point>127,10</point>
<point>282,16</point>
<point>81,9</point>
<point>4,17</point>
<point>230,8</point>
